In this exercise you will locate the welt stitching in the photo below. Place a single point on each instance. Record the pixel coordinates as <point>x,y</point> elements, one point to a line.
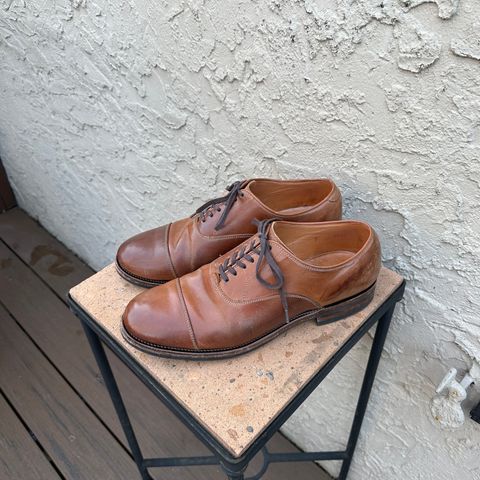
<point>309,313</point>
<point>157,282</point>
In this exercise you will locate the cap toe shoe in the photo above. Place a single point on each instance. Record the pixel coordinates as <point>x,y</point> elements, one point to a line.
<point>170,251</point>
<point>285,274</point>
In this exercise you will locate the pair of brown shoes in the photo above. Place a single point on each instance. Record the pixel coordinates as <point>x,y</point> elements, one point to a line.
<point>302,263</point>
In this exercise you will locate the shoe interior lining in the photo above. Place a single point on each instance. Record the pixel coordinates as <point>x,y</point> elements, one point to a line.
<point>293,210</point>
<point>325,244</point>
<point>290,198</point>
<point>329,259</point>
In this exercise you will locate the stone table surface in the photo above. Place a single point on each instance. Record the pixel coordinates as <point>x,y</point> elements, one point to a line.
<point>235,399</point>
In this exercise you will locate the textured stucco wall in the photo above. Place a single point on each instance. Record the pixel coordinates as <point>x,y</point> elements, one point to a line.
<point>116,116</point>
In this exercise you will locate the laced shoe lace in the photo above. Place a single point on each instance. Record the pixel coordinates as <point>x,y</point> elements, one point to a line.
<point>260,246</point>
<point>208,208</point>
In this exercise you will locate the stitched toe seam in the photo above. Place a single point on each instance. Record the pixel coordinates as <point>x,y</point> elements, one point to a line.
<point>187,316</point>
<point>167,247</point>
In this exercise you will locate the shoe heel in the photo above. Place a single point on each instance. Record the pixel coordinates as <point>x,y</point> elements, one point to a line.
<point>345,308</point>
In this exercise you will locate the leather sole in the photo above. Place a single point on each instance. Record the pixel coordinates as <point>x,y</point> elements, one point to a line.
<point>141,282</point>
<point>323,316</point>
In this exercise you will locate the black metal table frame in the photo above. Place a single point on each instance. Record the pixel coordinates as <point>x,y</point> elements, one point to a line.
<point>234,467</point>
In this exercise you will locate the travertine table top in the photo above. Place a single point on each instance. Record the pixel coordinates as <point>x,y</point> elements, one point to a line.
<point>235,399</point>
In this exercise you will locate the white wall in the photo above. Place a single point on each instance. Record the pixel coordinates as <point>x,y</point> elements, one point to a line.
<point>116,116</point>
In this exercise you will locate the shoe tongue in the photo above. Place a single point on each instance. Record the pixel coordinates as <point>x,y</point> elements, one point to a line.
<point>247,185</point>
<point>273,235</point>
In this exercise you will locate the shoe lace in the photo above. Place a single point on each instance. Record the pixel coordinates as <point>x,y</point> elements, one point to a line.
<point>259,246</point>
<point>208,208</point>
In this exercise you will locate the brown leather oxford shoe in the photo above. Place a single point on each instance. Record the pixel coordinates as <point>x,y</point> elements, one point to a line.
<point>285,274</point>
<point>170,251</point>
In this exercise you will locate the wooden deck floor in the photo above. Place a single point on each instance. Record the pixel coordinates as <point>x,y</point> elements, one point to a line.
<point>57,421</point>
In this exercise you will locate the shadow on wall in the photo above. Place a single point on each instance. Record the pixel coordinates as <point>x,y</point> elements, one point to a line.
<point>7,198</point>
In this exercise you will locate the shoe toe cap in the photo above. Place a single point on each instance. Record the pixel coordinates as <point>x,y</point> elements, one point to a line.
<point>157,317</point>
<point>145,256</point>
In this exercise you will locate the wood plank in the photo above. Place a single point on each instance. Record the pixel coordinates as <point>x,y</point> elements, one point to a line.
<point>73,437</point>
<point>20,457</point>
<point>7,198</point>
<point>58,333</point>
<point>159,432</point>
<point>42,252</point>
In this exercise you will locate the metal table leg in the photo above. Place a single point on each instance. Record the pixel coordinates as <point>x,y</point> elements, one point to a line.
<point>112,387</point>
<point>234,471</point>
<point>368,379</point>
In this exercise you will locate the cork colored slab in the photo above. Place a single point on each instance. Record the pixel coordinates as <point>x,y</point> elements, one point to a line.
<point>235,399</point>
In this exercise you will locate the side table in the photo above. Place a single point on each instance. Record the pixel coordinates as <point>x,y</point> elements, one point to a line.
<point>234,406</point>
